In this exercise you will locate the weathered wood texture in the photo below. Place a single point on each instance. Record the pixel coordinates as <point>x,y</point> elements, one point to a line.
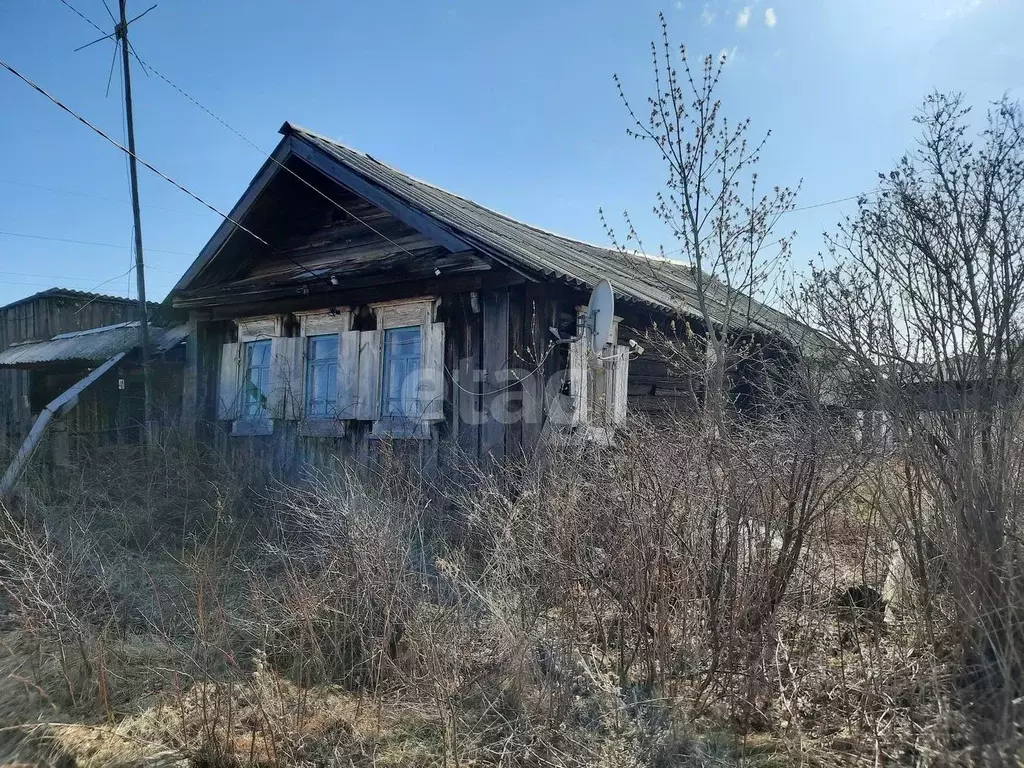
<point>495,305</point>
<point>311,238</point>
<point>41,318</point>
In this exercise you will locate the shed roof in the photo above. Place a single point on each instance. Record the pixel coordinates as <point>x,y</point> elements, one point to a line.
<point>89,346</point>
<point>71,293</point>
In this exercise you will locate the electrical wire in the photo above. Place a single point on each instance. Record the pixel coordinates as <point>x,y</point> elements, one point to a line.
<point>86,242</point>
<point>62,277</point>
<point>515,383</point>
<point>85,18</point>
<point>268,156</point>
<point>144,69</point>
<point>164,176</point>
<point>833,202</point>
<point>259,149</point>
<point>331,200</point>
<point>76,193</point>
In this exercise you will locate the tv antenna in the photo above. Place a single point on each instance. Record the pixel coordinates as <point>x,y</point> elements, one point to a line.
<point>120,34</point>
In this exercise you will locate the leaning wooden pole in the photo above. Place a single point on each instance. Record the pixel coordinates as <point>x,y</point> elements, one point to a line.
<point>56,409</point>
<point>140,273</point>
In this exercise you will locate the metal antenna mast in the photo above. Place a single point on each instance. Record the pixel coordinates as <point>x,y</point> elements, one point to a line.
<point>120,34</point>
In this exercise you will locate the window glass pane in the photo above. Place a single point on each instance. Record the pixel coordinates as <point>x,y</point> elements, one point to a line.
<point>322,376</point>
<point>323,347</point>
<point>401,381</point>
<point>256,379</point>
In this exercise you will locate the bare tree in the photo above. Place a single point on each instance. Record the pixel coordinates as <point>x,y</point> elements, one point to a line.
<point>924,294</point>
<point>713,206</point>
<point>764,486</point>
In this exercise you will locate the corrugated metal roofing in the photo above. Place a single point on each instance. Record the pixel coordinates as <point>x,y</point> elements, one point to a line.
<point>71,293</point>
<point>656,282</point>
<point>93,345</point>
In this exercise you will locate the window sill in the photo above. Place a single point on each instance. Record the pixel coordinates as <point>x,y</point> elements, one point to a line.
<point>326,427</point>
<point>387,429</point>
<point>243,428</point>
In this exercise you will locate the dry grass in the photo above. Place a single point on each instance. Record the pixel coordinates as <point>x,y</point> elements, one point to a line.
<point>554,615</point>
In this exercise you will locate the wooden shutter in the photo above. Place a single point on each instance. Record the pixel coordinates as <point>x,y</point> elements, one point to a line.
<point>431,392</point>
<point>578,375</point>
<point>618,385</point>
<point>371,344</point>
<point>348,374</point>
<point>285,400</point>
<point>282,375</point>
<point>229,385</point>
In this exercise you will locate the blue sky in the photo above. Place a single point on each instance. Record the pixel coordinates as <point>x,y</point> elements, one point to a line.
<point>511,104</point>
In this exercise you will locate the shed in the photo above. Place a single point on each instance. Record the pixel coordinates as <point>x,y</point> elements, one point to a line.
<point>39,317</point>
<point>52,339</point>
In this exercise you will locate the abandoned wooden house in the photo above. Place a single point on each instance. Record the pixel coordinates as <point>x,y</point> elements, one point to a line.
<point>346,303</point>
<point>53,339</point>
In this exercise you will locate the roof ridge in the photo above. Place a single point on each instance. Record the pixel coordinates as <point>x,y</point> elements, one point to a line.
<point>670,285</point>
<point>316,135</point>
<point>74,293</point>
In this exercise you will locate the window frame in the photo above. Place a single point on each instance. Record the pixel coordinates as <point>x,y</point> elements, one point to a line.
<point>323,322</point>
<point>310,367</point>
<point>399,315</point>
<point>262,413</point>
<point>387,370</point>
<point>250,330</point>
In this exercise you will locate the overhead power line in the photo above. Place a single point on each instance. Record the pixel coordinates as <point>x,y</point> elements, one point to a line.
<point>199,105</point>
<point>124,149</point>
<point>268,156</point>
<point>67,277</point>
<point>258,148</point>
<point>79,193</point>
<point>88,242</point>
<point>834,202</point>
<point>83,17</point>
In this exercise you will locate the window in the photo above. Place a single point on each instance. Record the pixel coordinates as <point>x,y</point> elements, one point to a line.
<point>400,399</point>
<point>322,376</point>
<point>256,380</point>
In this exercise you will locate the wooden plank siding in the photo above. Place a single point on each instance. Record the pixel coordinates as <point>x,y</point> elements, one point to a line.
<point>40,318</point>
<point>312,238</point>
<point>495,319</point>
<point>372,256</point>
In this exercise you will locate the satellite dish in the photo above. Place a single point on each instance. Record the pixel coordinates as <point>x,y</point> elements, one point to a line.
<point>600,315</point>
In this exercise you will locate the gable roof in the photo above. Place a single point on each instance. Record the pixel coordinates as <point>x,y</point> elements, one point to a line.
<point>657,283</point>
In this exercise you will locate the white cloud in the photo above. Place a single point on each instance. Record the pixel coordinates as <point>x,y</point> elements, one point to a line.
<point>707,14</point>
<point>679,5</point>
<point>770,18</point>
<point>743,18</point>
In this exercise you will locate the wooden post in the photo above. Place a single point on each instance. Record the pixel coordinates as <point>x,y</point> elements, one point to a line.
<point>140,274</point>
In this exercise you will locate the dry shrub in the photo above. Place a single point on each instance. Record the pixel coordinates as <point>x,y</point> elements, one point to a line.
<point>338,578</point>
<point>667,600</point>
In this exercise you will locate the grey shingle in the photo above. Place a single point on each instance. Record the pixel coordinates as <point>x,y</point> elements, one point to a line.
<point>658,283</point>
